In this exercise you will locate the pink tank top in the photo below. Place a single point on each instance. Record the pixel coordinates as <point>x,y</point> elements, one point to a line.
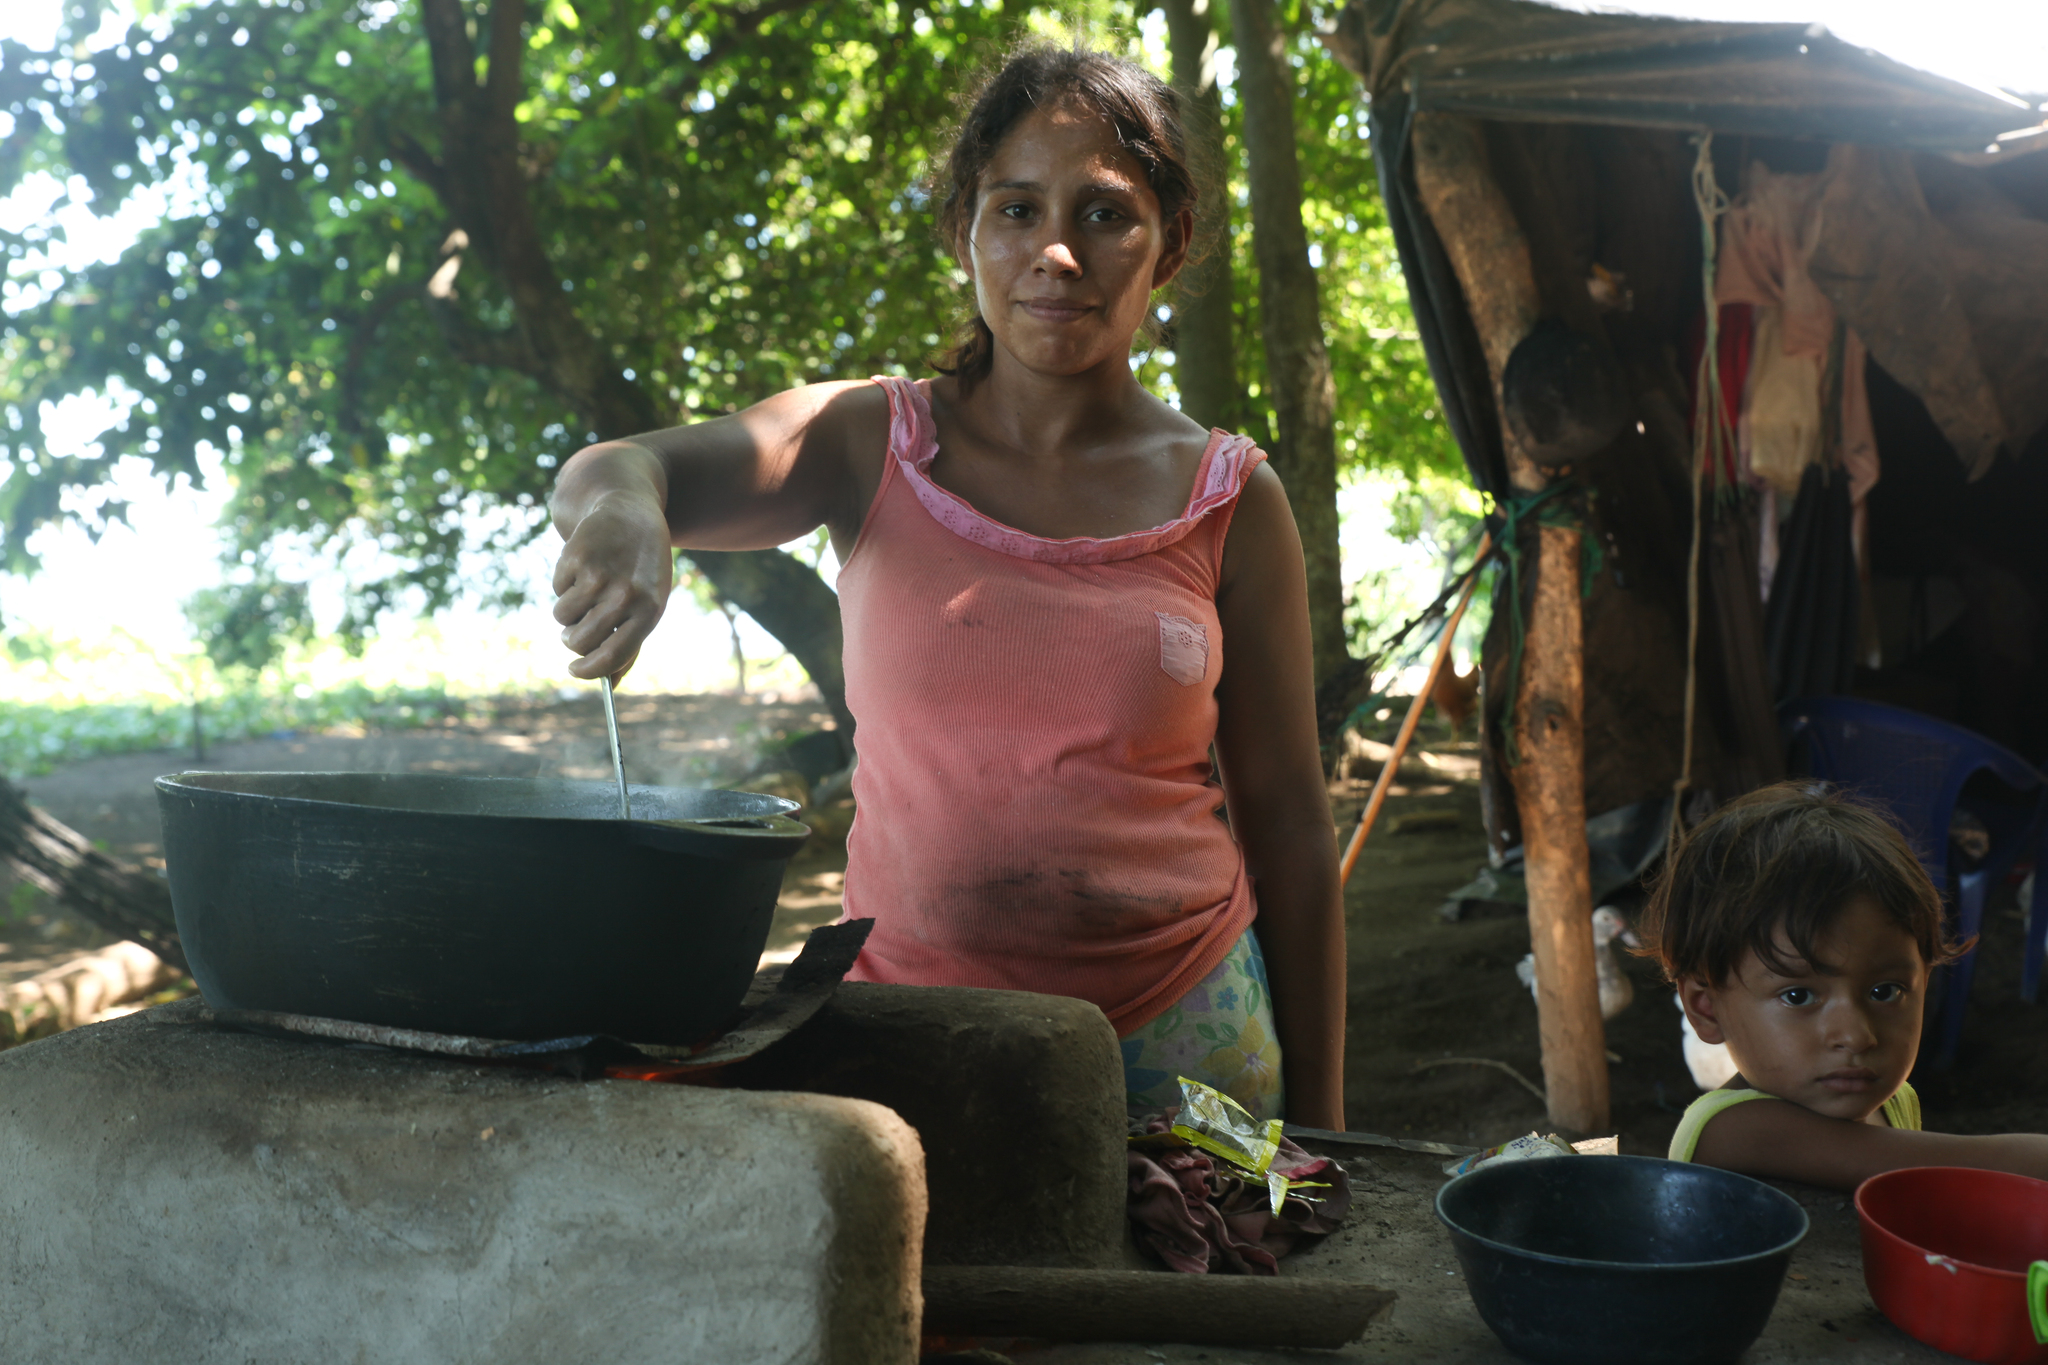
<point>1035,804</point>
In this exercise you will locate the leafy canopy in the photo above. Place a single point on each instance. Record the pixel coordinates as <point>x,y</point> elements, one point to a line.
<point>728,194</point>
<point>1386,403</point>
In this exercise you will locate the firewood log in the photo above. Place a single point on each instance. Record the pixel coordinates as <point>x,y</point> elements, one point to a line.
<point>1144,1305</point>
<point>118,897</point>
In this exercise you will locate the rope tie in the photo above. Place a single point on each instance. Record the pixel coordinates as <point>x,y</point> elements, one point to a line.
<point>1711,441</point>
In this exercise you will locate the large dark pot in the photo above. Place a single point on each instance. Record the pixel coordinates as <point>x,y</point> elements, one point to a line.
<point>486,906</point>
<point>1621,1260</point>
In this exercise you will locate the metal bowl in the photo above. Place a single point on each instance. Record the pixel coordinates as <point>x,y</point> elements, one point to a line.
<point>1621,1260</point>
<point>484,906</point>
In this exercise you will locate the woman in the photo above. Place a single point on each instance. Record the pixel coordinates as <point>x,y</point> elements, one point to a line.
<point>1058,595</point>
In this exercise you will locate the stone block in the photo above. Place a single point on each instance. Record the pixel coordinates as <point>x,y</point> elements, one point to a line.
<point>176,1192</point>
<point>1018,1100</point>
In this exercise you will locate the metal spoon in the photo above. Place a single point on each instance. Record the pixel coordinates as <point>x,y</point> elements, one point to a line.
<point>611,725</point>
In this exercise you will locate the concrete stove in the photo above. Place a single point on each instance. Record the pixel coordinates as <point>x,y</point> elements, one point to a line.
<point>195,1193</point>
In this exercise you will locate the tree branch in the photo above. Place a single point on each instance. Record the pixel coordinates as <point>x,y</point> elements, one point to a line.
<point>425,167</point>
<point>473,345</point>
<point>505,79</point>
<point>448,49</point>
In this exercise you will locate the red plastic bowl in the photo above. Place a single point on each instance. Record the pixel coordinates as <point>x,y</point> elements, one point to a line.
<point>1945,1255</point>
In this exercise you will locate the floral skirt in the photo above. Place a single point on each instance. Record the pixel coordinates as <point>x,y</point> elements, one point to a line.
<point>1220,1033</point>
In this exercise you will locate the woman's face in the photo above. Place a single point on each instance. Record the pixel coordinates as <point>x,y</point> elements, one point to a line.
<point>1066,243</point>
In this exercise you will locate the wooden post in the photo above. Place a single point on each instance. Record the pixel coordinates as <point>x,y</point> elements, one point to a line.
<point>1491,257</point>
<point>1550,792</point>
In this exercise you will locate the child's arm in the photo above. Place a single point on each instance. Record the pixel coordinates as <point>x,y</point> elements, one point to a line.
<point>1279,805</point>
<point>1783,1141</point>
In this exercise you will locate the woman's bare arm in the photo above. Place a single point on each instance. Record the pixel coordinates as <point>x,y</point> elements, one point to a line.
<point>1279,805</point>
<point>755,479</point>
<point>1784,1141</point>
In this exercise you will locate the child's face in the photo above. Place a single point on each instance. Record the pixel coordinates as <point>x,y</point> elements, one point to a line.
<point>1838,1042</point>
<point>1067,243</point>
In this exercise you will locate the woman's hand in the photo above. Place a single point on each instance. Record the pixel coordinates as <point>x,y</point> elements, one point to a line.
<point>613,579</point>
<point>748,481</point>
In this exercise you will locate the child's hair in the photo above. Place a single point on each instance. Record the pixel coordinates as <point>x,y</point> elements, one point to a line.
<point>1788,857</point>
<point>1144,110</point>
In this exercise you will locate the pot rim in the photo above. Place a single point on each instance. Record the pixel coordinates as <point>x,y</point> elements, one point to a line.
<point>770,834</point>
<point>174,782</point>
<point>1784,1248</point>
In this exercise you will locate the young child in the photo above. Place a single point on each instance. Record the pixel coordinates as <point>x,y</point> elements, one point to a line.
<point>1801,931</point>
<point>1060,597</point>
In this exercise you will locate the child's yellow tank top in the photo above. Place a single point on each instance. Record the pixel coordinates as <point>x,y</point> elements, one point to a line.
<point>1902,1110</point>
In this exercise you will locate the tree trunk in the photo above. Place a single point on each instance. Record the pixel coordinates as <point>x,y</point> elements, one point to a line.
<point>1204,312</point>
<point>739,651</point>
<point>478,178</point>
<point>1491,257</point>
<point>62,863</point>
<point>77,991</point>
<point>1297,365</point>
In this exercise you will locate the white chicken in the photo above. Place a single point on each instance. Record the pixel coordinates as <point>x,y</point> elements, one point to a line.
<point>1616,991</point>
<point>1709,1063</point>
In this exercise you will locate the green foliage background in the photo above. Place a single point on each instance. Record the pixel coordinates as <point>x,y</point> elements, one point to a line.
<point>36,738</point>
<point>732,194</point>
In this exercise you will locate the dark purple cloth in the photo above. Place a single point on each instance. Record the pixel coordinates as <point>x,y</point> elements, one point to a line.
<point>1198,1213</point>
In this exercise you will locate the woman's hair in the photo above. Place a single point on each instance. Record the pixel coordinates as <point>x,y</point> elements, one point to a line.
<point>1788,859</point>
<point>1144,110</point>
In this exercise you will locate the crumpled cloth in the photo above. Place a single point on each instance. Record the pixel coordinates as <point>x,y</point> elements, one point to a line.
<point>1198,1214</point>
<point>1766,239</point>
<point>1768,234</point>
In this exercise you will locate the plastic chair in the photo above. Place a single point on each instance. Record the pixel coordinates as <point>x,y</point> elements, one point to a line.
<point>1918,767</point>
<point>2037,919</point>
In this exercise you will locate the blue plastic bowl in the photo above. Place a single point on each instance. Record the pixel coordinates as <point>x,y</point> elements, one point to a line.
<point>1621,1260</point>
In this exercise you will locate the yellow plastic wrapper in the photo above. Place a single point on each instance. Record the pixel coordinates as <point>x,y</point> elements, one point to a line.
<point>1220,1126</point>
<point>1533,1147</point>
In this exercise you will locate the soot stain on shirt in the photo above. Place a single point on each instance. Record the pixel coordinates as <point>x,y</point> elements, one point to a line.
<point>1068,893</point>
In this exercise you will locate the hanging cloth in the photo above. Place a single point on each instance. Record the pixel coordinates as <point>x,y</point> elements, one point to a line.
<point>1812,623</point>
<point>1766,238</point>
<point>1735,613</point>
<point>1782,415</point>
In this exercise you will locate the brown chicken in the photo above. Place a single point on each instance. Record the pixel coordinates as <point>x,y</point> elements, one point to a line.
<point>1455,695</point>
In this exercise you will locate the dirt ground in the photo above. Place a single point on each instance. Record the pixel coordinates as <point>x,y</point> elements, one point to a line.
<point>1422,989</point>
<point>1393,1240</point>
